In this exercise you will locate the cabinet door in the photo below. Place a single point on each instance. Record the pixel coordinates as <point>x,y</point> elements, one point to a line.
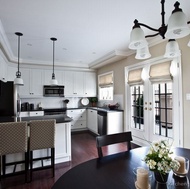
<point>25,90</point>
<point>92,120</point>
<point>78,83</point>
<point>90,84</point>
<point>36,82</point>
<point>69,83</point>
<point>11,73</point>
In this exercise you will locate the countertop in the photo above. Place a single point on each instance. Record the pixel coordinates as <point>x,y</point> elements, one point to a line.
<point>60,118</point>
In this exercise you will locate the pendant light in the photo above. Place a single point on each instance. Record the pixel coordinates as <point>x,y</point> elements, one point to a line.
<point>53,80</point>
<point>18,80</point>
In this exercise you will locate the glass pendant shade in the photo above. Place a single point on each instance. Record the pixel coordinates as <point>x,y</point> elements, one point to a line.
<point>172,49</point>
<point>18,81</point>
<point>143,53</point>
<point>137,39</point>
<point>53,82</point>
<point>177,26</point>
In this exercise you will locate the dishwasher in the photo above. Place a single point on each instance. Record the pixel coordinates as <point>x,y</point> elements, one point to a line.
<point>102,122</point>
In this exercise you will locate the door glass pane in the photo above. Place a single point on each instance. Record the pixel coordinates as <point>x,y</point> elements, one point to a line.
<point>163,109</point>
<point>137,110</point>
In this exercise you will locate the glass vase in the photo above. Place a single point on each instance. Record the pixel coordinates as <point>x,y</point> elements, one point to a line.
<point>160,177</point>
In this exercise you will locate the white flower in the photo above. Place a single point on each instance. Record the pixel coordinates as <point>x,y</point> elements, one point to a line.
<point>158,157</point>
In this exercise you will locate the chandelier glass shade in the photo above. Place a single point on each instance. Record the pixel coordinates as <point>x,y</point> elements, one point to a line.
<point>53,81</point>
<point>18,80</point>
<point>172,49</point>
<point>143,53</point>
<point>177,28</point>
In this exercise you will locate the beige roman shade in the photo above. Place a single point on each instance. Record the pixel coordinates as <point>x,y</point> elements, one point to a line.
<point>134,77</point>
<point>160,73</point>
<point>105,80</point>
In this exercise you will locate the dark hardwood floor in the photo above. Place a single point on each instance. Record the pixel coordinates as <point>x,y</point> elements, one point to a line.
<point>83,149</point>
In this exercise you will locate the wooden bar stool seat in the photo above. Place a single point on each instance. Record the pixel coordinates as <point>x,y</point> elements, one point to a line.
<point>42,136</point>
<point>13,140</point>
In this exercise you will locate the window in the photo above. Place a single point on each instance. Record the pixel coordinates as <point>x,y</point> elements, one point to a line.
<point>105,84</point>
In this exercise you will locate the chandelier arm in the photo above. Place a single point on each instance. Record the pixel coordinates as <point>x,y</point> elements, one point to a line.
<point>150,28</point>
<point>153,35</point>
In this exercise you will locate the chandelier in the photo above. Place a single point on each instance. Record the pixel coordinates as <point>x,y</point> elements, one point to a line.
<point>177,28</point>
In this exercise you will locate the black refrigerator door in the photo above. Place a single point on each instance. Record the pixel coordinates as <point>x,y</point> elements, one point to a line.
<point>6,98</point>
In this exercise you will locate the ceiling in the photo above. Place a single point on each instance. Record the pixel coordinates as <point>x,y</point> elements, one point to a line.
<point>88,32</point>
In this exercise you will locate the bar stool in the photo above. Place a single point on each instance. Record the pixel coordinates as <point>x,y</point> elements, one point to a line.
<point>42,136</point>
<point>13,140</point>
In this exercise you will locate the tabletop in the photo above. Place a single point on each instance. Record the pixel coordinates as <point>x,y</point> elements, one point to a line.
<point>116,172</point>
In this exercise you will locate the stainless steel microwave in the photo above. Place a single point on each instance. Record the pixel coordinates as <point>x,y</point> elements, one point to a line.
<point>53,91</point>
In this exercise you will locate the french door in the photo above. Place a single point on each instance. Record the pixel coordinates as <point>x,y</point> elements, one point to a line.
<point>153,108</point>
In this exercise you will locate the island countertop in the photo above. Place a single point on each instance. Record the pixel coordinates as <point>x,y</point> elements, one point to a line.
<point>60,118</point>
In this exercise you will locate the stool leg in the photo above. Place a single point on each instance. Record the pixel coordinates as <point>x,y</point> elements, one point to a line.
<point>3,165</point>
<point>53,160</point>
<point>31,164</point>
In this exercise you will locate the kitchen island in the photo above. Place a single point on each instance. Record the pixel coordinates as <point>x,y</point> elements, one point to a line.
<point>62,139</point>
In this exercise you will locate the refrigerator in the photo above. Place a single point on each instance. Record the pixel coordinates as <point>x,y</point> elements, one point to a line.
<point>8,99</point>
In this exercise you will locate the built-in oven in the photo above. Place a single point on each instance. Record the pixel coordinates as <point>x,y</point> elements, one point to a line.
<point>53,91</point>
<point>55,111</point>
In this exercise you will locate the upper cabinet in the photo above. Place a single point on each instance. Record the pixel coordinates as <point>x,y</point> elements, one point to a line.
<point>3,70</point>
<point>80,84</point>
<point>90,84</point>
<point>33,83</point>
<point>11,73</point>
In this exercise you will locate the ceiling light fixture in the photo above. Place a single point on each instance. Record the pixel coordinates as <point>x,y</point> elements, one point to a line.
<point>177,28</point>
<point>18,80</point>
<point>53,80</point>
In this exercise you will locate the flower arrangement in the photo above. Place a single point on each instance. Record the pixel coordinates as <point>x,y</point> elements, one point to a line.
<point>159,158</point>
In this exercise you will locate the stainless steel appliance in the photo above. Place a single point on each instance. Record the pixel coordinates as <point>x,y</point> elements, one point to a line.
<point>102,122</point>
<point>53,91</point>
<point>55,111</point>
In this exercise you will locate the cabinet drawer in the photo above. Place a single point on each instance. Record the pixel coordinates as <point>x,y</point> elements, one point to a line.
<point>37,113</point>
<point>78,124</point>
<point>76,111</point>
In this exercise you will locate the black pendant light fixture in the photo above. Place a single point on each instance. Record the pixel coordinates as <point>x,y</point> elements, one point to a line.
<point>177,28</point>
<point>18,80</point>
<point>53,80</point>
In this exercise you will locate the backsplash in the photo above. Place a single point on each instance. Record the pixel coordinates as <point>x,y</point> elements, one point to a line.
<point>74,102</point>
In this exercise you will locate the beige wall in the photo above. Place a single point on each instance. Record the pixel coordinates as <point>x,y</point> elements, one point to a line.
<point>156,51</point>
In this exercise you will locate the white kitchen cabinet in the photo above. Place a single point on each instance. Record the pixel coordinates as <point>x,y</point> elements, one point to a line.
<point>74,84</point>
<point>90,84</point>
<point>11,73</point>
<point>59,75</point>
<point>3,70</point>
<point>33,83</point>
<point>78,117</point>
<point>92,120</point>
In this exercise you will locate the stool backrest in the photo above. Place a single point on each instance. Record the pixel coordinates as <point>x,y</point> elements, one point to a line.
<point>105,140</point>
<point>13,137</point>
<point>42,134</point>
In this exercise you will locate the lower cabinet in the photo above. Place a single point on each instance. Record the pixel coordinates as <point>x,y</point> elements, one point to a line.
<point>78,117</point>
<point>92,120</point>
